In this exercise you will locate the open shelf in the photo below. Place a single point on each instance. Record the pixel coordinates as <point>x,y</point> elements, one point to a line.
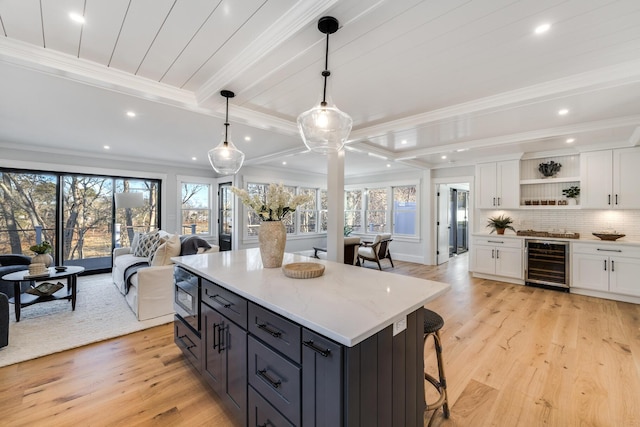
<point>550,180</point>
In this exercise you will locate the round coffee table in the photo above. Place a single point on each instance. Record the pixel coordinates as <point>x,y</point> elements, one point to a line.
<point>24,299</point>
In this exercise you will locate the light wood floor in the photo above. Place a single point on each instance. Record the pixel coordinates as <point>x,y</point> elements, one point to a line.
<point>514,356</point>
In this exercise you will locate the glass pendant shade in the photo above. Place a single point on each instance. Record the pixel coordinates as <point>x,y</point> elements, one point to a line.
<point>226,159</point>
<point>324,128</point>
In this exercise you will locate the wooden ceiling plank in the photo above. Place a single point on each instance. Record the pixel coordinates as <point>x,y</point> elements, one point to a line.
<point>100,34</point>
<point>60,32</point>
<point>143,21</point>
<point>21,20</point>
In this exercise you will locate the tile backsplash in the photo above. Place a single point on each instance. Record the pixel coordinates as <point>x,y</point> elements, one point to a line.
<point>584,222</point>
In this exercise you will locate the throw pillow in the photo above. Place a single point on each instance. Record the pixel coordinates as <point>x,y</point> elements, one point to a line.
<point>165,251</point>
<point>190,244</point>
<point>147,244</point>
<point>135,241</point>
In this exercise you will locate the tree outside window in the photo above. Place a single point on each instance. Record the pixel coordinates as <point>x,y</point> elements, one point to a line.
<point>324,210</point>
<point>307,212</point>
<point>353,210</point>
<point>196,208</point>
<point>377,210</point>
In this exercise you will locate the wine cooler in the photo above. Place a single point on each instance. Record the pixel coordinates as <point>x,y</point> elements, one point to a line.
<point>547,263</point>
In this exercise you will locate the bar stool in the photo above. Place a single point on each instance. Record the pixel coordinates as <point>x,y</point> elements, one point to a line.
<point>433,322</point>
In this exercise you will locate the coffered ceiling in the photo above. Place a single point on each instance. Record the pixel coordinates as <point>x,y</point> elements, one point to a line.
<point>428,83</point>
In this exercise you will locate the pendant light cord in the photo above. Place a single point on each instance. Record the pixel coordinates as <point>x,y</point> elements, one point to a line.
<point>226,124</point>
<point>326,73</point>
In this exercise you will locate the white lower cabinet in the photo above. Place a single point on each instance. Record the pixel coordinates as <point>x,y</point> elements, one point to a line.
<point>606,268</point>
<point>499,256</point>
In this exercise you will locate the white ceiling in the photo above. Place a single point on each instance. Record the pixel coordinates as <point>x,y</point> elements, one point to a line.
<point>421,79</point>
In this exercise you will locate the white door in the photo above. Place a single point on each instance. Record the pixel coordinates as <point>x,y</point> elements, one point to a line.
<point>590,272</point>
<point>442,255</point>
<point>508,184</point>
<point>509,263</point>
<point>626,175</point>
<point>623,276</point>
<point>484,259</point>
<point>486,186</point>
<point>596,176</point>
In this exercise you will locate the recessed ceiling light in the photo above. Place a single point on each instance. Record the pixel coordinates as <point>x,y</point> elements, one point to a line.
<point>443,157</point>
<point>131,113</point>
<point>194,158</point>
<point>106,147</point>
<point>388,165</point>
<point>542,28</point>
<point>403,142</point>
<point>76,17</point>
<point>570,140</point>
<point>284,163</point>
<point>563,112</point>
<point>247,138</point>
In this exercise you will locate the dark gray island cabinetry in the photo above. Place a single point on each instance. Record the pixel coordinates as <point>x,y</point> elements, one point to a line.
<point>316,352</point>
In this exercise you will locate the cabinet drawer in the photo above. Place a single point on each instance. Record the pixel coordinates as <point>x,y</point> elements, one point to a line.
<point>261,413</point>
<point>606,249</point>
<point>278,332</point>
<point>275,378</point>
<point>188,341</point>
<point>233,306</point>
<point>499,241</point>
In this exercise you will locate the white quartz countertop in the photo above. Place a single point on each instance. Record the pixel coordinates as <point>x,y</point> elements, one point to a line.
<point>347,303</point>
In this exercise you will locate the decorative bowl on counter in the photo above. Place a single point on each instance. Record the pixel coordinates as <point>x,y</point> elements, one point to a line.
<point>608,236</point>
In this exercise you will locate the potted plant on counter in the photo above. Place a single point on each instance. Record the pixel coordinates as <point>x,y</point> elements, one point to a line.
<point>500,223</point>
<point>571,194</point>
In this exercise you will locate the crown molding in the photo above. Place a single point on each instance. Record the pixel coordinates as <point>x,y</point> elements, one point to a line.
<point>280,31</point>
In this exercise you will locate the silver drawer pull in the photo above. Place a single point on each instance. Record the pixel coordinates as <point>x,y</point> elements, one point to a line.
<point>273,333</point>
<point>275,384</point>
<point>610,250</point>
<point>495,241</point>
<point>312,346</point>
<point>223,302</point>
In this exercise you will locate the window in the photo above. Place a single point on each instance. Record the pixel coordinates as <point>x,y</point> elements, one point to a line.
<point>308,213</point>
<point>303,221</point>
<point>196,208</point>
<point>353,210</point>
<point>74,212</point>
<point>377,210</point>
<point>370,210</point>
<point>324,210</point>
<point>404,210</point>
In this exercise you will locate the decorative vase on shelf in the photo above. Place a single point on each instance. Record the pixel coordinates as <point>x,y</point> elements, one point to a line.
<point>272,237</point>
<point>45,259</point>
<point>571,201</point>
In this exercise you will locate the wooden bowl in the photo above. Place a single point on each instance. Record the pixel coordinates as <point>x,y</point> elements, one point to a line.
<point>303,270</point>
<point>608,236</point>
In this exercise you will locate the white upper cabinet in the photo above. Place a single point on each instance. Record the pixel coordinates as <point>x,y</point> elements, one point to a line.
<point>609,179</point>
<point>498,185</point>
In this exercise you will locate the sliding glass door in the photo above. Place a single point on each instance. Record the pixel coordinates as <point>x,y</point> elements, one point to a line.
<point>75,213</point>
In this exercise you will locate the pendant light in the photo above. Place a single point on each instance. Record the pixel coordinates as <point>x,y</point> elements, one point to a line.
<point>226,159</point>
<point>324,128</point>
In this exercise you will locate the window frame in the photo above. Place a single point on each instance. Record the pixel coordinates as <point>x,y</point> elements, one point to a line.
<point>213,191</point>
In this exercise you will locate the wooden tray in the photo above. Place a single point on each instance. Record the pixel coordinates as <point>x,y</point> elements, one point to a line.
<point>303,270</point>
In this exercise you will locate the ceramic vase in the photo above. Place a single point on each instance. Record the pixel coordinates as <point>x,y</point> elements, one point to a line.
<point>46,259</point>
<point>272,237</point>
<point>571,201</point>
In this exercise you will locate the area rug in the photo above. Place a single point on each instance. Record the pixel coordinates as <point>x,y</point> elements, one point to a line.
<point>50,327</point>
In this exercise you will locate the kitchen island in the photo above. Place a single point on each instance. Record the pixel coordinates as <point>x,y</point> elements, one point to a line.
<point>343,349</point>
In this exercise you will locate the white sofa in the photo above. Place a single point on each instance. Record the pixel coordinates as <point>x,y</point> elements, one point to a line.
<point>151,292</point>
